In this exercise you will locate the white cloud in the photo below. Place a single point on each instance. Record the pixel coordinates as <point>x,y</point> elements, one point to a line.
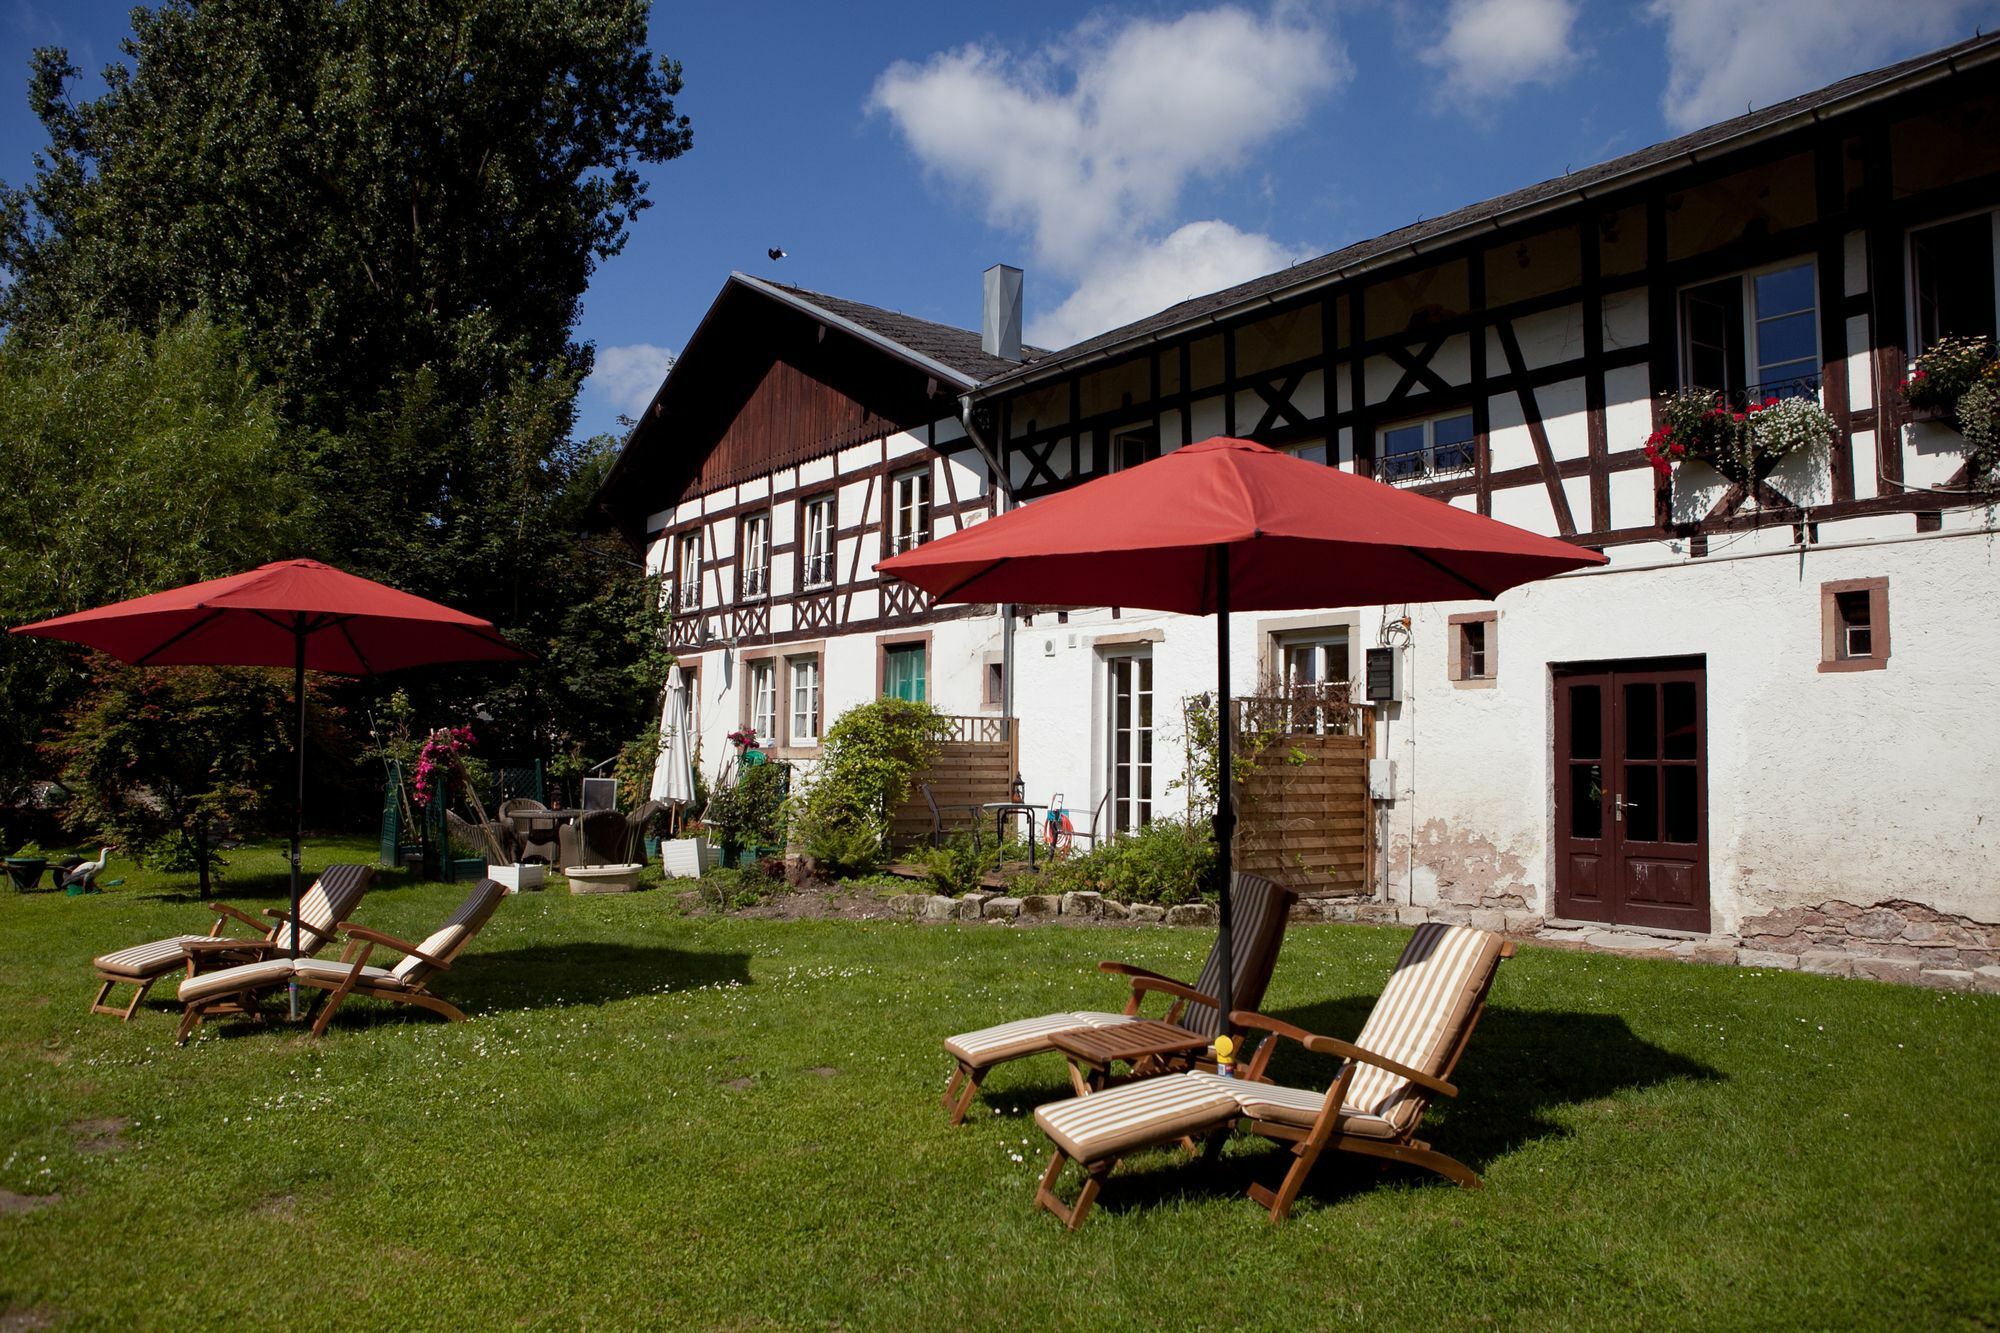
<point>1491,47</point>
<point>1090,142</point>
<point>1723,54</point>
<point>626,377</point>
<point>1196,259</point>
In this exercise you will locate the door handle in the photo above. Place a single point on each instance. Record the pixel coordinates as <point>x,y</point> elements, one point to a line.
<point>1619,805</point>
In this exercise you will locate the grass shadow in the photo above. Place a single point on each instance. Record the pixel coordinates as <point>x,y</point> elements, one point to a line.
<point>541,976</point>
<point>272,886</point>
<point>1520,1065</point>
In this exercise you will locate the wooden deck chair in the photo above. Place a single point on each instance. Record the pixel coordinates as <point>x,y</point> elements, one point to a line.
<point>1262,910</point>
<point>330,901</point>
<point>232,989</point>
<point>1404,1055</point>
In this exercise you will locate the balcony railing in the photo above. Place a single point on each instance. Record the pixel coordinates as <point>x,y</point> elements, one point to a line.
<point>819,571</point>
<point>1419,466</point>
<point>756,582</point>
<point>1794,386</point>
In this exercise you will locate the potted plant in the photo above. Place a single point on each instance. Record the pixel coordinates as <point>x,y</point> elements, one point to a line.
<point>750,814</point>
<point>25,867</point>
<point>1743,444</point>
<point>1957,381</point>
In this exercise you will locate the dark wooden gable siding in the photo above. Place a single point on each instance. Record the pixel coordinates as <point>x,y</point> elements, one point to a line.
<point>790,416</point>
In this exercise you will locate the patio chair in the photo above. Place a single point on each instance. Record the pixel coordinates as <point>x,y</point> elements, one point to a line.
<point>534,839</point>
<point>1262,909</point>
<point>236,989</point>
<point>330,901</point>
<point>599,838</point>
<point>975,817</point>
<point>635,829</point>
<point>1405,1054</point>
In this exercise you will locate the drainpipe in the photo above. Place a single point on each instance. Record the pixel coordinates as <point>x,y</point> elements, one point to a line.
<point>1002,495</point>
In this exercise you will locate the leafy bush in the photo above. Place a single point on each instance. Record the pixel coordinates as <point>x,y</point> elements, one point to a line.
<point>752,811</point>
<point>1166,862</point>
<point>843,850</point>
<point>867,760</point>
<point>958,866</point>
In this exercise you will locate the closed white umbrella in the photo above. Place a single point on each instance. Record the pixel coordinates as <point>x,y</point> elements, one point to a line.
<point>673,771</point>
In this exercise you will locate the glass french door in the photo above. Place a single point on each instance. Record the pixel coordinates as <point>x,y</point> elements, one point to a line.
<point>1631,800</point>
<point>1130,698</point>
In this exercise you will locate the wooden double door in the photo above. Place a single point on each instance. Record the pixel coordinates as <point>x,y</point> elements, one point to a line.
<point>1631,793</point>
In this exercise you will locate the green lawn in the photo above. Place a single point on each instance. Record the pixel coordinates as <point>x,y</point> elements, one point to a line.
<point>657,1119</point>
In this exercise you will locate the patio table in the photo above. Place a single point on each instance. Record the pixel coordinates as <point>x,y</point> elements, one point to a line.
<point>1000,810</point>
<point>1092,1051</point>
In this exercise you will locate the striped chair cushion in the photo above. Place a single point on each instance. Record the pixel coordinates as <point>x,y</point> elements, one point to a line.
<point>1301,1106</point>
<point>144,962</point>
<point>234,980</point>
<point>320,969</point>
<point>1259,911</point>
<point>453,935</point>
<point>1133,1115</point>
<point>330,901</point>
<point>1023,1036</point>
<point>1420,1017</point>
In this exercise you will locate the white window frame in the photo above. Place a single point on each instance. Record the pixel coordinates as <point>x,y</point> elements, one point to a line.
<point>820,529</point>
<point>763,699</point>
<point>910,517</point>
<point>687,571</point>
<point>1914,337</point>
<point>1752,362</point>
<point>753,555</point>
<point>1148,434</point>
<point>1428,469</point>
<point>802,673</point>
<point>1318,642</point>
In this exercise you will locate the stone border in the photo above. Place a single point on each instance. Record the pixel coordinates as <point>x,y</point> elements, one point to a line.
<point>1527,926</point>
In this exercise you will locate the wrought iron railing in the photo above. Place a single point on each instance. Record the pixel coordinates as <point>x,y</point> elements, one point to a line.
<point>1792,386</point>
<point>1432,463</point>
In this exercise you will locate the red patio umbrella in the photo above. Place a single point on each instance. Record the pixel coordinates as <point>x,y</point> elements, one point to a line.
<point>296,613</point>
<point>1231,525</point>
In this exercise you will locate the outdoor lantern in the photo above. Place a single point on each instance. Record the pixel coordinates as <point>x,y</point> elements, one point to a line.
<point>1020,789</point>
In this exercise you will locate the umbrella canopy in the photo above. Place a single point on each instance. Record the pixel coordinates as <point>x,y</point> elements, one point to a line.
<point>673,771</point>
<point>296,613</point>
<point>1230,525</point>
<point>349,626</point>
<point>1297,535</point>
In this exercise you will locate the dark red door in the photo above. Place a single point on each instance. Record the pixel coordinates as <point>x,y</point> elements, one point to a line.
<point>1631,798</point>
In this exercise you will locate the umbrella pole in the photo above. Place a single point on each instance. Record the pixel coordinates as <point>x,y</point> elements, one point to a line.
<point>298,800</point>
<point>1225,809</point>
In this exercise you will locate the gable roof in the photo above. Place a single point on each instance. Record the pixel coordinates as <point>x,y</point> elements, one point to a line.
<point>956,351</point>
<point>865,370</point>
<point>1519,205</point>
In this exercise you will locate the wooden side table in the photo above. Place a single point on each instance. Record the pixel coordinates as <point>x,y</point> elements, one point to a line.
<point>1092,1051</point>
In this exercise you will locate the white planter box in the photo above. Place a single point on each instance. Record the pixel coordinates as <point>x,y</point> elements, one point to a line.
<point>687,858</point>
<point>519,878</point>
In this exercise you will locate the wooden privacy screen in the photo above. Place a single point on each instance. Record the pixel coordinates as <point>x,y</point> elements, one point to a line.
<point>1302,811</point>
<point>976,765</point>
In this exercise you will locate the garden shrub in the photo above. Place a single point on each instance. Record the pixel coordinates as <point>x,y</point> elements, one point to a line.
<point>1166,862</point>
<point>868,759</point>
<point>751,812</point>
<point>959,866</point>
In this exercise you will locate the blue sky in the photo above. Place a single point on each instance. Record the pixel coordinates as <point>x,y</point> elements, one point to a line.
<point>1127,156</point>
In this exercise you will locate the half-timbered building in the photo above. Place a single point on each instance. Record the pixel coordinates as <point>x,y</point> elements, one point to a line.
<point>1769,713</point>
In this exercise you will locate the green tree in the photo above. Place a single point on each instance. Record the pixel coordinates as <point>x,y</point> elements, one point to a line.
<point>160,762</point>
<point>132,463</point>
<point>400,202</point>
